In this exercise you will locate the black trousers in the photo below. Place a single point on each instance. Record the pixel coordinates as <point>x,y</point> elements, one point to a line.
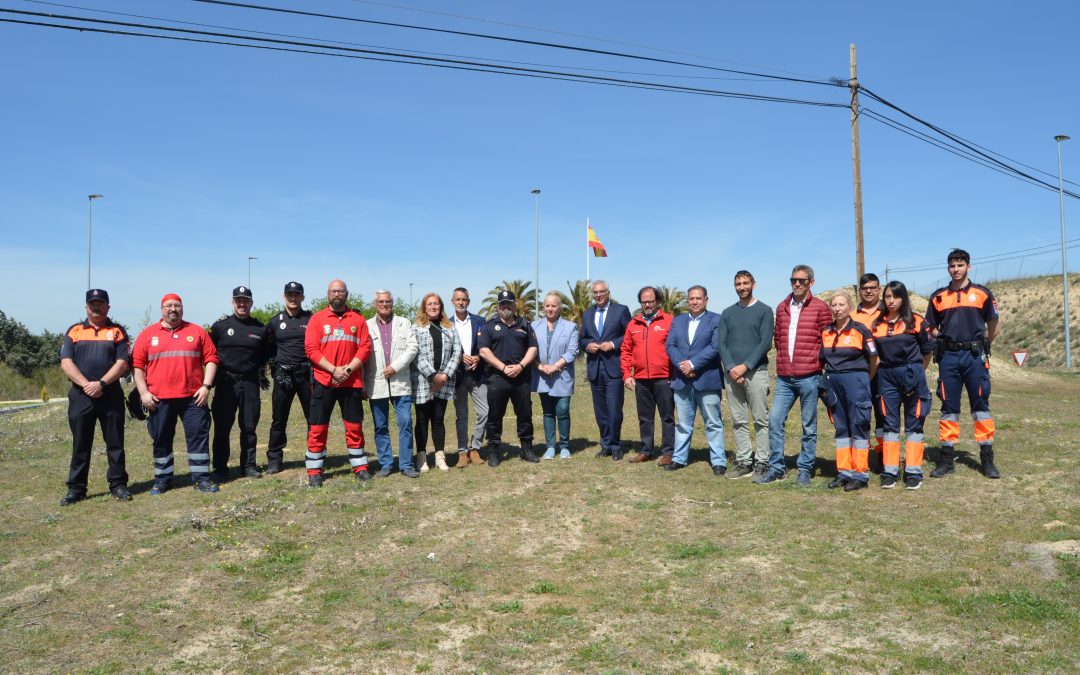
<point>502,390</point>
<point>84,414</point>
<point>289,383</point>
<point>235,393</point>
<point>654,396</point>
<point>430,413</point>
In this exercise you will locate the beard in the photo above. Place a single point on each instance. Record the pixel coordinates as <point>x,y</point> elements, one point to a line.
<point>506,314</point>
<point>337,303</point>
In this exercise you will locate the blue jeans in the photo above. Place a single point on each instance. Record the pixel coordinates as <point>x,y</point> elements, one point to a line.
<point>380,417</point>
<point>787,390</point>
<point>556,411</point>
<point>687,402</point>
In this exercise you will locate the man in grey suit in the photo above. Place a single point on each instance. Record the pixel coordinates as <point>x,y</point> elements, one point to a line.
<point>602,330</point>
<point>386,381</point>
<point>470,381</point>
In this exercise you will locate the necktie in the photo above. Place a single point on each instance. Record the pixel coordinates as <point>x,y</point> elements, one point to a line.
<point>600,321</point>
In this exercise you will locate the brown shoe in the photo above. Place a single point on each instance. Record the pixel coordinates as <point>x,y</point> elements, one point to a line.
<point>665,460</point>
<point>640,458</point>
<point>474,457</point>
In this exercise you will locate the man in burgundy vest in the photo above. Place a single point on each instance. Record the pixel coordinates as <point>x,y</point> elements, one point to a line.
<point>800,318</point>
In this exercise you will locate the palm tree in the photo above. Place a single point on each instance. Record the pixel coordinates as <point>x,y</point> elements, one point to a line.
<point>578,300</point>
<point>672,300</point>
<point>525,299</point>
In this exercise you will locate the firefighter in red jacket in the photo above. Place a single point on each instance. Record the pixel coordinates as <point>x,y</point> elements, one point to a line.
<point>646,370</point>
<point>800,318</point>
<point>337,344</point>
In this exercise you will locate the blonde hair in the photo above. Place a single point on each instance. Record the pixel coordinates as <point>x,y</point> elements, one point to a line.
<point>421,316</point>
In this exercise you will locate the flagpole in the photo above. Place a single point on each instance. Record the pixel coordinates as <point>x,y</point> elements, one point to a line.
<point>587,225</point>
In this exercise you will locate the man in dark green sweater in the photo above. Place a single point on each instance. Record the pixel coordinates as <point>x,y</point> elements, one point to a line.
<point>745,334</point>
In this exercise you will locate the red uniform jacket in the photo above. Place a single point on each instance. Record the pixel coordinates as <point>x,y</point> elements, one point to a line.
<point>643,354</point>
<point>173,359</point>
<point>339,339</point>
<point>813,318</point>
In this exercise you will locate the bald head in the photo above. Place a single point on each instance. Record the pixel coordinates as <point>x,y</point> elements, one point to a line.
<point>337,294</point>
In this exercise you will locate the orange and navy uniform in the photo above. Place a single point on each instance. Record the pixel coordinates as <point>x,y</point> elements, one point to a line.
<point>960,317</point>
<point>845,357</point>
<point>867,317</point>
<point>173,358</point>
<point>94,351</point>
<point>339,338</point>
<point>902,385</point>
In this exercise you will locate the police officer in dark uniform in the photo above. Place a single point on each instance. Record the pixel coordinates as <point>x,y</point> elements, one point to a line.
<point>291,369</point>
<point>508,344</point>
<point>95,354</point>
<point>964,318</point>
<point>241,345</point>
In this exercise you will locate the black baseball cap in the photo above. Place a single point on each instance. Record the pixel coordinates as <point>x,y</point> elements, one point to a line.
<point>506,296</point>
<point>294,287</point>
<point>241,292</point>
<point>97,294</point>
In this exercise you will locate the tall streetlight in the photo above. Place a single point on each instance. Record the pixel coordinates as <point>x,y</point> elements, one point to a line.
<point>250,258</point>
<point>90,236</point>
<point>1064,258</point>
<point>537,290</point>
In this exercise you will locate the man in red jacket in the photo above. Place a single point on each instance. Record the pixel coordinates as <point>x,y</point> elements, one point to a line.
<point>337,343</point>
<point>646,370</point>
<point>800,318</point>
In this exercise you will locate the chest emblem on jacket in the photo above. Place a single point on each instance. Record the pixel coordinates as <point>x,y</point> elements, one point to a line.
<point>326,329</point>
<point>230,332</point>
<point>282,326</point>
<point>190,338</point>
<point>154,341</point>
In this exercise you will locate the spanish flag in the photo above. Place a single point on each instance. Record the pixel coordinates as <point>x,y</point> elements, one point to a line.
<point>594,243</point>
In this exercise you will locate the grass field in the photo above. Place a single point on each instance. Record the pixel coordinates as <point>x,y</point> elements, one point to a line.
<point>585,565</point>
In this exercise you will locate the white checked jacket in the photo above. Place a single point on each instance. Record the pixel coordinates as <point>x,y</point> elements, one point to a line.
<point>423,369</point>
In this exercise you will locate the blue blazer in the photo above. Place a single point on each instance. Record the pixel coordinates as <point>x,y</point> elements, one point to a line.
<point>605,364</point>
<point>564,345</point>
<point>703,353</point>
<point>477,376</point>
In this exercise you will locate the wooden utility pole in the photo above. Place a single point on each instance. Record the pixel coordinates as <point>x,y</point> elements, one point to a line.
<point>853,83</point>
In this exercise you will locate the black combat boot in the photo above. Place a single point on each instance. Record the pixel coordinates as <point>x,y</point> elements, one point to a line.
<point>986,456</point>
<point>946,462</point>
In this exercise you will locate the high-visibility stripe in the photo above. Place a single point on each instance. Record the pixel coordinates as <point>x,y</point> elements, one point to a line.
<point>860,460</point>
<point>357,458</point>
<point>339,338</point>
<point>314,460</point>
<point>171,354</point>
<point>890,453</point>
<point>843,443</point>
<point>843,459</point>
<point>198,456</point>
<point>914,451</point>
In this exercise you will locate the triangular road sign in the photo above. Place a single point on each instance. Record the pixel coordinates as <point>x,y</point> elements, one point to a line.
<point>1020,356</point>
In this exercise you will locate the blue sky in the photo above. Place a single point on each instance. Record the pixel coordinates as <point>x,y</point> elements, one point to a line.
<point>386,175</point>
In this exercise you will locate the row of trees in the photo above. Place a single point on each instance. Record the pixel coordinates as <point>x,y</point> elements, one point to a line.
<point>576,302</point>
<point>24,352</point>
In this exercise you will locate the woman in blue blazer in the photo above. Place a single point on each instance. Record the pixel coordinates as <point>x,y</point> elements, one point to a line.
<point>553,376</point>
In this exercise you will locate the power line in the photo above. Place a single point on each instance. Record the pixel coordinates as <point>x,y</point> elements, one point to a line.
<point>960,141</point>
<point>502,38</point>
<point>998,257</point>
<point>578,35</point>
<point>395,57</point>
<point>959,152</point>
<point>370,46</point>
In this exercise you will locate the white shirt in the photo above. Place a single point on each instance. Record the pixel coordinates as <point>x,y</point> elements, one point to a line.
<point>692,329</point>
<point>464,332</point>
<point>793,327</point>
<point>601,317</point>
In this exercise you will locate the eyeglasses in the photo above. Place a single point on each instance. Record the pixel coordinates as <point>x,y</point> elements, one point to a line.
<point>600,292</point>
<point>796,280</point>
<point>173,306</point>
<point>864,289</point>
<point>338,292</point>
<point>384,302</point>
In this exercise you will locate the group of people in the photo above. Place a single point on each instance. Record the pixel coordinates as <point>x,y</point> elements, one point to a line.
<point>857,357</point>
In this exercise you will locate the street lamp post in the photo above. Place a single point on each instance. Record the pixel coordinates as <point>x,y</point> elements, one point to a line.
<point>250,258</point>
<point>90,235</point>
<point>1064,257</point>
<point>537,290</point>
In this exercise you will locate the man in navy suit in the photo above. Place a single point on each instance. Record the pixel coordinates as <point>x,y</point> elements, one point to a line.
<point>602,331</point>
<point>698,381</point>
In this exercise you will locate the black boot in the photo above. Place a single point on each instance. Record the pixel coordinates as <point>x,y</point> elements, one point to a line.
<point>946,463</point>
<point>986,456</point>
